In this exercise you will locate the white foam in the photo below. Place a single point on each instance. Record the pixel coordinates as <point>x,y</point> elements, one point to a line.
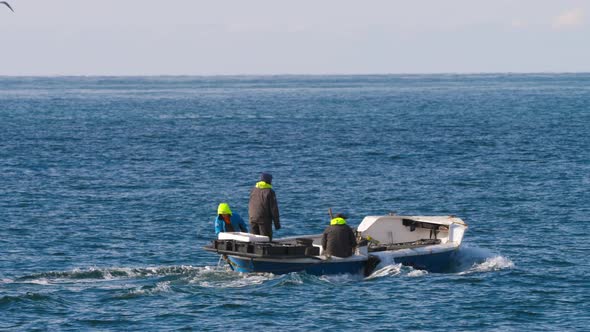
<point>293,278</point>
<point>495,263</point>
<point>417,273</point>
<point>226,278</point>
<point>40,281</point>
<point>386,259</point>
<point>160,287</point>
<point>93,275</point>
<point>388,270</point>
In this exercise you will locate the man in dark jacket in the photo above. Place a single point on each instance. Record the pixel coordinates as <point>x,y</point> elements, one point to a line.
<point>263,209</point>
<point>338,238</point>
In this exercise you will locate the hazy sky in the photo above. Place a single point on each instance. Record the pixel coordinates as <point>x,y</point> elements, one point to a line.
<point>190,37</point>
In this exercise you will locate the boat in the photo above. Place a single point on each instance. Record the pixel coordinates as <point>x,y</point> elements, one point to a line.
<point>423,242</point>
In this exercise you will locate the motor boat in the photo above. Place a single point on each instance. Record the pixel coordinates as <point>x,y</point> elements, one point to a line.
<point>423,242</point>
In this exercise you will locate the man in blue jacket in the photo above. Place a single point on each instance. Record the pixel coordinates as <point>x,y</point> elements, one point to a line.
<point>227,221</point>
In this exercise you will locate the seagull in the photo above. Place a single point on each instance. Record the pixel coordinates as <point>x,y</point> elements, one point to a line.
<point>7,5</point>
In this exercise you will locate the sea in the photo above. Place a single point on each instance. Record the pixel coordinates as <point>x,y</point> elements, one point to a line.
<point>109,187</point>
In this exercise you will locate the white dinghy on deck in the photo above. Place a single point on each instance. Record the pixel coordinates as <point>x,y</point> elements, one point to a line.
<point>423,242</point>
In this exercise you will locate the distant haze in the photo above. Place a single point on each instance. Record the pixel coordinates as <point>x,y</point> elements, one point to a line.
<point>188,37</point>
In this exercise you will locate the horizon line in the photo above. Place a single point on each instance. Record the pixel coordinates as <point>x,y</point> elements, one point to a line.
<point>300,75</point>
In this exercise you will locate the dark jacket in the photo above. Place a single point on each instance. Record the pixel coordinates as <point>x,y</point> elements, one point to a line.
<point>338,240</point>
<point>263,207</point>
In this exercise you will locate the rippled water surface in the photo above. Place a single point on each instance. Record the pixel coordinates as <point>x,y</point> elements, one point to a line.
<point>109,187</point>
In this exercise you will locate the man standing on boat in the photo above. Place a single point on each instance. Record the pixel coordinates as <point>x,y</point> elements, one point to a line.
<point>227,221</point>
<point>263,208</point>
<point>338,238</point>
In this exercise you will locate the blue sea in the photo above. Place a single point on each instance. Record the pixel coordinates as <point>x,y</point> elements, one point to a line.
<point>109,187</point>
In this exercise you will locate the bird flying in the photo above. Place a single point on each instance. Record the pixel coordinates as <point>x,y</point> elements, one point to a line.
<point>7,5</point>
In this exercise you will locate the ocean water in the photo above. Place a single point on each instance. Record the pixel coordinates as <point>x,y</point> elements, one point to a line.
<point>109,187</point>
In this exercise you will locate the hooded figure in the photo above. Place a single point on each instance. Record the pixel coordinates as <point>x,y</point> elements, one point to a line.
<point>338,238</point>
<point>227,221</point>
<point>263,209</point>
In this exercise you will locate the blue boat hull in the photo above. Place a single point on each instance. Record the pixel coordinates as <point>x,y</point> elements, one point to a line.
<point>438,262</point>
<point>244,264</point>
<point>435,262</point>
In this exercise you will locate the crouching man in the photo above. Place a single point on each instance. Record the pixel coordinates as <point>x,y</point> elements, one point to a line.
<point>228,221</point>
<point>338,238</point>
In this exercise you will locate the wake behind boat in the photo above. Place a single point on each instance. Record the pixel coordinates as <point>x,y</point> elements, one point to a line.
<point>423,242</point>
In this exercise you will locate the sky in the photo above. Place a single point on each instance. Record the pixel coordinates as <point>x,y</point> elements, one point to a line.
<point>274,37</point>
